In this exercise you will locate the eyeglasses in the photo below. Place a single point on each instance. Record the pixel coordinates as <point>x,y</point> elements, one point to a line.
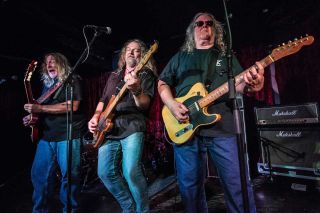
<point>205,23</point>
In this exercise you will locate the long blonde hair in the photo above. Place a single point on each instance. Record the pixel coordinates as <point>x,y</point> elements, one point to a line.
<point>122,62</point>
<point>63,69</point>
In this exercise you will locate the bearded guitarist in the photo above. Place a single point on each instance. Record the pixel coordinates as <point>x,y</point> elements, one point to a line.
<point>125,126</point>
<point>52,146</point>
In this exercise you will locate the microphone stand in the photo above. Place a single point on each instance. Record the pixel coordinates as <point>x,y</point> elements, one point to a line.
<point>236,116</point>
<point>69,84</point>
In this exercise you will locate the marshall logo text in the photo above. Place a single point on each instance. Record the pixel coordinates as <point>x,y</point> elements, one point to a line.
<point>289,134</point>
<point>284,113</point>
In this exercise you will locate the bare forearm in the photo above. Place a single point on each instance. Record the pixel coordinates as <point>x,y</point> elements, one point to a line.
<point>59,108</point>
<point>98,110</point>
<point>165,93</point>
<point>142,100</point>
<point>178,110</point>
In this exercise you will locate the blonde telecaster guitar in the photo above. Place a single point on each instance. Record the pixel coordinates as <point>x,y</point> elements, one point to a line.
<point>197,100</point>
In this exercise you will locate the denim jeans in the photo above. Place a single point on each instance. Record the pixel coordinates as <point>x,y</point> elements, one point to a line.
<point>131,189</point>
<point>43,172</point>
<point>191,160</point>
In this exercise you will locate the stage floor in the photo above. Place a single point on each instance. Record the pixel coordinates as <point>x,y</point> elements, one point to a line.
<point>271,197</point>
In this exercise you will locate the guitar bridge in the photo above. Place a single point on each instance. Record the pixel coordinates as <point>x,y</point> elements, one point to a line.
<point>184,130</point>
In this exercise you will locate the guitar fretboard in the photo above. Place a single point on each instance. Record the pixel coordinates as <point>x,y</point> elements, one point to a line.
<point>224,88</point>
<point>277,53</point>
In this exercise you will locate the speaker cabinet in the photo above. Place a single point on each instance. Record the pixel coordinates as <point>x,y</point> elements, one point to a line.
<point>293,152</point>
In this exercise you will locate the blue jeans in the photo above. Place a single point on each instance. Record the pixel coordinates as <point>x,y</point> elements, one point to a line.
<point>43,173</point>
<point>191,160</point>
<point>131,191</point>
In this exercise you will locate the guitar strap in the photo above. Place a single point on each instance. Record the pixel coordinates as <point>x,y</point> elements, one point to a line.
<point>48,93</point>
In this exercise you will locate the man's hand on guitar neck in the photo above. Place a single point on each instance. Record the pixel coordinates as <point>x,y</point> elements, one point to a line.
<point>133,82</point>
<point>134,85</point>
<point>254,78</point>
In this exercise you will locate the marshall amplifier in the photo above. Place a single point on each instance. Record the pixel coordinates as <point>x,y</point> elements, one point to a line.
<point>293,152</point>
<point>287,114</point>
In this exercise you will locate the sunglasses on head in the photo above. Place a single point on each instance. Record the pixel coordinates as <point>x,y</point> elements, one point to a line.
<point>205,23</point>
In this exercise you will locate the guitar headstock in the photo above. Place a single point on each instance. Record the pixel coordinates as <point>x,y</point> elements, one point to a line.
<point>31,68</point>
<point>291,47</point>
<point>154,47</point>
<point>147,56</point>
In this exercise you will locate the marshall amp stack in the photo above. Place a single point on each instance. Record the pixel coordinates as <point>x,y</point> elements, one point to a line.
<point>289,137</point>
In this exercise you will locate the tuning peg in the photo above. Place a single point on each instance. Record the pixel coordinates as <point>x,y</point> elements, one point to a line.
<point>295,39</point>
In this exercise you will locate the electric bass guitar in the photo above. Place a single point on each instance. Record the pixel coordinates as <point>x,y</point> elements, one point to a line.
<point>197,99</point>
<point>105,123</point>
<point>27,85</point>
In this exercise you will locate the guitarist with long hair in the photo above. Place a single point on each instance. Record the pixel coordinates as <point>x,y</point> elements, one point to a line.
<point>125,129</point>
<point>202,60</point>
<point>52,146</point>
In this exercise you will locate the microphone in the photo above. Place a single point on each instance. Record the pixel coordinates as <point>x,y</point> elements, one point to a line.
<point>106,30</point>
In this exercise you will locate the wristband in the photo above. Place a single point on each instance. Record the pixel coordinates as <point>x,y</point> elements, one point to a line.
<point>137,92</point>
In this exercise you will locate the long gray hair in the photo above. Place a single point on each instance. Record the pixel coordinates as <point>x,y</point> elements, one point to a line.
<point>217,28</point>
<point>122,62</point>
<point>63,69</point>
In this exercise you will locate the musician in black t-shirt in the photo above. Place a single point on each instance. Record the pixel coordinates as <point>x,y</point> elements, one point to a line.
<point>125,140</point>
<point>52,146</point>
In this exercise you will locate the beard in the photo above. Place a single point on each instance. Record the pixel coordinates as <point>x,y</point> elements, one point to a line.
<point>131,62</point>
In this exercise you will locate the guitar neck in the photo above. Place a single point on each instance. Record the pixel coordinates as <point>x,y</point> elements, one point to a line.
<point>28,90</point>
<point>114,102</point>
<point>224,88</point>
<point>108,111</point>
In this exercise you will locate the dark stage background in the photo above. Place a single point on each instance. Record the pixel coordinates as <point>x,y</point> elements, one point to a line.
<point>32,28</point>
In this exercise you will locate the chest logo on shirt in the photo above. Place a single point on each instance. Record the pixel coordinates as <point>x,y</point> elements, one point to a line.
<point>218,64</point>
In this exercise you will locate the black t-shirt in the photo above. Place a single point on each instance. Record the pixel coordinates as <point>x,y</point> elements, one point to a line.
<point>206,66</point>
<point>54,126</point>
<point>128,117</point>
